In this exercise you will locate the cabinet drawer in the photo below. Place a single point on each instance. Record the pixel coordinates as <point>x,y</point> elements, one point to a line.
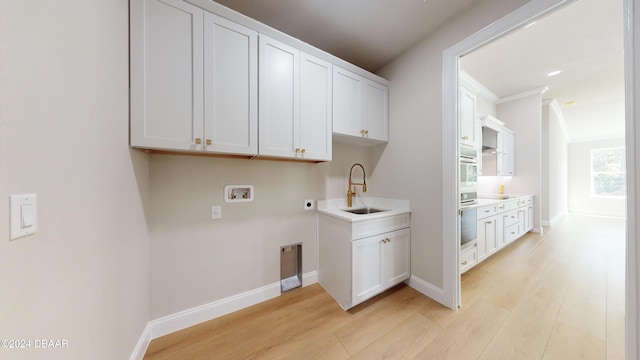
<point>372,227</point>
<point>468,258</point>
<point>510,218</point>
<point>509,205</point>
<point>486,211</point>
<point>511,233</point>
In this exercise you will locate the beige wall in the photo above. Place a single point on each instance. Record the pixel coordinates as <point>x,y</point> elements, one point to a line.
<point>413,156</point>
<point>524,117</point>
<point>83,277</point>
<point>196,260</point>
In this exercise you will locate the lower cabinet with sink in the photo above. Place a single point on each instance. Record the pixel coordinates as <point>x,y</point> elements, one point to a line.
<point>363,251</point>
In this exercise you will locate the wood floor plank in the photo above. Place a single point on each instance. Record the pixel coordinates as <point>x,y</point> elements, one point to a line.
<point>468,336</point>
<point>567,342</point>
<point>404,341</point>
<point>365,330</point>
<point>526,331</point>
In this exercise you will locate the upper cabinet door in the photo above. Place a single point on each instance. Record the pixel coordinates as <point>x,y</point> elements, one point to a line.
<point>347,107</point>
<point>166,75</point>
<point>315,108</point>
<point>279,98</point>
<point>360,108</point>
<point>467,115</point>
<point>231,87</point>
<point>375,120</point>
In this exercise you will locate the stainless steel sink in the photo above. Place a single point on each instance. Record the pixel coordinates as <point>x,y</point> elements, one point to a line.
<point>363,211</point>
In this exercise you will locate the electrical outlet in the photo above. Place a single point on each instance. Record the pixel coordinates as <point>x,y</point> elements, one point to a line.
<point>309,205</point>
<point>216,212</point>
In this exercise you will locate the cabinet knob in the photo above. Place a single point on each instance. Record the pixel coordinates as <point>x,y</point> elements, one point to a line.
<point>208,141</point>
<point>489,222</point>
<point>304,151</point>
<point>297,151</point>
<point>464,262</point>
<point>487,211</point>
<point>198,141</point>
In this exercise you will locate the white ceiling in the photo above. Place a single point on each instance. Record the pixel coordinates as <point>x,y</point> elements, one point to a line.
<point>584,40</point>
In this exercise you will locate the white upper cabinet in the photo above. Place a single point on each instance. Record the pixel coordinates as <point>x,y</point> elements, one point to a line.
<point>279,98</point>
<point>166,74</point>
<point>506,154</point>
<point>295,103</point>
<point>360,108</point>
<point>468,130</point>
<point>231,87</point>
<point>315,108</point>
<point>194,80</point>
<point>209,80</point>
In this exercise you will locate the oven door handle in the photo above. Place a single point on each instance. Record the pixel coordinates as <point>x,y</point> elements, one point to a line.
<point>468,204</point>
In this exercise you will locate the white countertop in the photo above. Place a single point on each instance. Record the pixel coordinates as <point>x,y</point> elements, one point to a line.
<point>484,199</point>
<point>336,207</point>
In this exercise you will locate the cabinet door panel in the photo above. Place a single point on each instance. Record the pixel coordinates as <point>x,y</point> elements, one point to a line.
<point>279,98</point>
<point>467,115</point>
<point>166,94</point>
<point>231,86</point>
<point>315,107</point>
<point>397,262</point>
<point>376,118</point>
<point>366,268</point>
<point>347,102</point>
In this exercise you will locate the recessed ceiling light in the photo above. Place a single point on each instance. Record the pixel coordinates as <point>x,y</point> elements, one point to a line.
<point>570,103</point>
<point>530,24</point>
<point>554,73</point>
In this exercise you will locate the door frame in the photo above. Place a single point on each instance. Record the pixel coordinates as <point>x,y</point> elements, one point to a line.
<point>450,202</point>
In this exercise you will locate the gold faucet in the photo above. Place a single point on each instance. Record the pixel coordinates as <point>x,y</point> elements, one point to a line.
<point>352,193</point>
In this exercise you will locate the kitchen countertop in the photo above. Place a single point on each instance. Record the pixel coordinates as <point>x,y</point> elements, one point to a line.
<point>336,207</point>
<point>494,199</point>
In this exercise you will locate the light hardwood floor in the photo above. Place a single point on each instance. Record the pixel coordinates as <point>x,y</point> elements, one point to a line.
<point>557,296</point>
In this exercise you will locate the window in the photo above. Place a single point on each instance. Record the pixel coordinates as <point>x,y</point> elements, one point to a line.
<point>608,172</point>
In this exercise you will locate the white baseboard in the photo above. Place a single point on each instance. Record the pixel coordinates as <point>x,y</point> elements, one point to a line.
<point>186,318</point>
<point>553,221</point>
<point>142,345</point>
<point>427,289</point>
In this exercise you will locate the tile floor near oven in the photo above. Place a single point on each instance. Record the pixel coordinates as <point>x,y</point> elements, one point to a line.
<point>554,296</point>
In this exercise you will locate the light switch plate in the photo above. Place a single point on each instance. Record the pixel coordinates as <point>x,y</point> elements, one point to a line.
<point>24,215</point>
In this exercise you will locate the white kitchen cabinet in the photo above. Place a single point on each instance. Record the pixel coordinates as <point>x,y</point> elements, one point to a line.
<point>316,103</point>
<point>468,257</point>
<point>499,224</point>
<point>166,74</point>
<point>467,121</point>
<point>295,103</point>
<point>487,230</point>
<point>193,80</point>
<point>527,213</point>
<point>358,260</point>
<point>279,98</point>
<point>379,262</point>
<point>230,87</point>
<point>360,108</point>
<point>506,154</point>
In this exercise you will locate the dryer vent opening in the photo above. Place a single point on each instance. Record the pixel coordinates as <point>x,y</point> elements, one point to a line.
<point>290,267</point>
